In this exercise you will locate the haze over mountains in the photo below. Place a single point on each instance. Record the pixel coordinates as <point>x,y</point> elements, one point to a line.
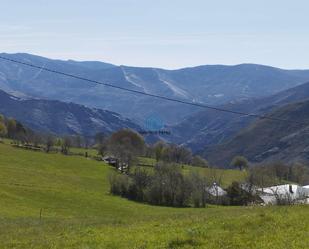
<point>204,84</point>
<point>44,101</point>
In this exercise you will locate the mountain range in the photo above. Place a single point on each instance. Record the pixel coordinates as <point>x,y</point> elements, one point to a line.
<point>62,105</point>
<point>210,127</point>
<point>62,118</point>
<point>267,140</point>
<point>216,135</point>
<point>213,85</point>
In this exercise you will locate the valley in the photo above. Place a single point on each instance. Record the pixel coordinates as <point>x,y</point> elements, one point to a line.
<point>154,124</point>
<point>260,90</point>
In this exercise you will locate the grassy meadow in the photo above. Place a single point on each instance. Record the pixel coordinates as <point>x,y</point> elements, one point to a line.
<point>55,201</point>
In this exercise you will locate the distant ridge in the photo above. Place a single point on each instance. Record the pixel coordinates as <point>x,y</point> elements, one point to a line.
<point>213,85</point>
<point>209,128</point>
<point>62,118</point>
<point>265,141</point>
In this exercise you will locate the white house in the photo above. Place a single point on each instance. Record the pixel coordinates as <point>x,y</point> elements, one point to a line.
<point>289,192</point>
<point>216,190</point>
<point>306,193</point>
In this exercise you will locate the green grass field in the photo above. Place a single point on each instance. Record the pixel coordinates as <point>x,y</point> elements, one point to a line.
<point>78,212</point>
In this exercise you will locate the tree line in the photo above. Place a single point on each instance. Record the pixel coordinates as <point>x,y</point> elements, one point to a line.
<point>167,185</point>
<point>24,137</point>
<point>11,128</point>
<point>275,173</point>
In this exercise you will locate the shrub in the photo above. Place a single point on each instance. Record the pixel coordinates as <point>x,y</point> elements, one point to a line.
<point>199,161</point>
<point>119,184</point>
<point>238,196</point>
<point>166,186</point>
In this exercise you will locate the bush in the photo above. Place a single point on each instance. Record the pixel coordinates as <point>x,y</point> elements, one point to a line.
<point>238,196</point>
<point>199,161</point>
<point>199,194</point>
<point>119,184</point>
<point>166,186</point>
<point>140,179</point>
<point>170,185</point>
<point>240,162</point>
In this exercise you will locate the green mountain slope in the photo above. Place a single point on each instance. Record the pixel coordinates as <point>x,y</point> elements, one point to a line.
<point>268,140</point>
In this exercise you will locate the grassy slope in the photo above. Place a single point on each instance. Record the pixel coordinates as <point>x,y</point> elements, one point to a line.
<point>78,212</point>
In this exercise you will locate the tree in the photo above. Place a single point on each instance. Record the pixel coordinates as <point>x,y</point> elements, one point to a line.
<point>180,154</point>
<point>198,189</point>
<point>140,180</point>
<point>149,151</point>
<point>101,143</point>
<point>49,143</point>
<point>281,171</point>
<point>65,146</point>
<point>58,142</point>
<point>184,155</point>
<point>168,186</point>
<point>3,130</point>
<point>299,173</point>
<point>199,162</point>
<point>16,131</point>
<point>239,196</point>
<point>102,148</point>
<point>126,145</point>
<point>158,148</point>
<point>119,184</point>
<point>11,128</point>
<point>176,154</point>
<point>33,138</point>
<point>262,176</point>
<point>240,162</point>
<point>100,138</point>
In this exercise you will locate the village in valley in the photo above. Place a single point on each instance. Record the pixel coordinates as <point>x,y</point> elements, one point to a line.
<point>174,124</point>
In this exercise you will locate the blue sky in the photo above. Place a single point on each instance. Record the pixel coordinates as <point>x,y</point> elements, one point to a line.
<point>168,34</point>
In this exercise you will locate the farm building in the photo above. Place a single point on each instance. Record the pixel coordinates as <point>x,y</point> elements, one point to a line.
<point>289,193</point>
<point>215,190</point>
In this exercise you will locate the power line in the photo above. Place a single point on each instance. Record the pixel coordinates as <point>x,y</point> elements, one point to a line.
<point>149,94</point>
